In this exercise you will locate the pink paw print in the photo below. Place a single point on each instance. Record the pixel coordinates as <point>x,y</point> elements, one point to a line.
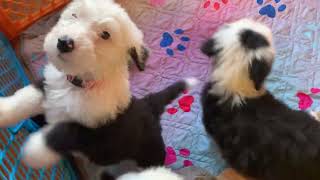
<point>185,104</point>
<point>171,156</point>
<point>157,2</point>
<point>216,5</point>
<point>305,101</point>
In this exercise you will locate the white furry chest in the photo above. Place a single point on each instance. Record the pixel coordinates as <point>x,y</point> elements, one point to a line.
<point>71,105</point>
<point>65,102</point>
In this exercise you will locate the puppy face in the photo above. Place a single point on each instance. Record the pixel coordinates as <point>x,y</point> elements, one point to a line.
<point>95,37</point>
<point>243,54</point>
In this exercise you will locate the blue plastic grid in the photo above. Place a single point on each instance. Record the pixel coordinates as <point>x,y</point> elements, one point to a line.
<point>12,77</point>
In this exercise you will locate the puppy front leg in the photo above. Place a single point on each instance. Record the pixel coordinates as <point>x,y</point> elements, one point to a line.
<point>25,103</point>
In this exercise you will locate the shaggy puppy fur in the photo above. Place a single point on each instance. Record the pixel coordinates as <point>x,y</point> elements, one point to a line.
<point>159,173</point>
<point>134,134</point>
<point>258,135</point>
<point>86,80</point>
<point>92,44</point>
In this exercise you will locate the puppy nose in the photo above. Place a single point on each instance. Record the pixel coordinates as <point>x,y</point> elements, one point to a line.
<point>65,44</point>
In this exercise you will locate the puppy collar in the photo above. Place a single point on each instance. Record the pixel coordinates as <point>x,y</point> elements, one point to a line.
<point>78,82</point>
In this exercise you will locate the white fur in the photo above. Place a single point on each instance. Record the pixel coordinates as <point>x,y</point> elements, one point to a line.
<point>316,115</point>
<point>159,173</point>
<point>23,104</point>
<point>36,153</point>
<point>65,102</point>
<point>103,61</point>
<point>231,69</point>
<point>191,82</point>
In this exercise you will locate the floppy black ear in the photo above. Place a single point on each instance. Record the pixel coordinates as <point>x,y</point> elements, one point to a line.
<point>258,71</point>
<point>139,58</point>
<point>209,48</point>
<point>253,40</point>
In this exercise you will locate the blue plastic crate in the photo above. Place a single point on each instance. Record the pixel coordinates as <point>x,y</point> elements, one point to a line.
<point>12,77</point>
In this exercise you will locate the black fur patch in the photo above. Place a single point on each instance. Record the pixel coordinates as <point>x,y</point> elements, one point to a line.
<point>253,40</point>
<point>209,48</point>
<point>258,71</point>
<point>40,85</point>
<point>135,134</point>
<point>264,139</point>
<point>106,176</point>
<point>145,55</point>
<point>139,61</point>
<point>40,120</point>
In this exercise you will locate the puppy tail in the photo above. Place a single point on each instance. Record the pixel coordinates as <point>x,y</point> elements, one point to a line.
<point>159,100</point>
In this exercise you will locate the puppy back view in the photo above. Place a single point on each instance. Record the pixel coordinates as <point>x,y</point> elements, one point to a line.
<point>258,135</point>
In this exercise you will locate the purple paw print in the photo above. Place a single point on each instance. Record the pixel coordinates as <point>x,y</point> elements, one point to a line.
<point>168,41</point>
<point>271,10</point>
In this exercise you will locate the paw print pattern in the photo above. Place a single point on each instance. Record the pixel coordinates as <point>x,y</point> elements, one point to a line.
<point>171,156</point>
<point>215,4</point>
<point>271,9</point>
<point>305,100</point>
<point>185,104</point>
<point>157,2</point>
<point>315,90</point>
<point>168,40</point>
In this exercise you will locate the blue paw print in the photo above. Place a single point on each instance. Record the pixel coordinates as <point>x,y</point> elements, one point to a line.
<point>271,10</point>
<point>168,40</point>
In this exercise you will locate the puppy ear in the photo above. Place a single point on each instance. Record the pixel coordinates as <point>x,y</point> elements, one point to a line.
<point>253,40</point>
<point>209,48</point>
<point>139,57</point>
<point>259,69</point>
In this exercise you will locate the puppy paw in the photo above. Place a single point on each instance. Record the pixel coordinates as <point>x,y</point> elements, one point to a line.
<point>23,104</point>
<point>36,152</point>
<point>6,113</point>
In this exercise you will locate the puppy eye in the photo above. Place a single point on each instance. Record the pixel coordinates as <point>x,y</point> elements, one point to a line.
<point>74,15</point>
<point>105,35</point>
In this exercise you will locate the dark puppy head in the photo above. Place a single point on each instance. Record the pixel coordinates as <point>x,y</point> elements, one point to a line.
<point>243,53</point>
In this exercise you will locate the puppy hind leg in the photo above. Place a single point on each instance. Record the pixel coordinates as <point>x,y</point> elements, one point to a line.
<point>25,103</point>
<point>36,152</point>
<point>46,147</point>
<point>152,154</point>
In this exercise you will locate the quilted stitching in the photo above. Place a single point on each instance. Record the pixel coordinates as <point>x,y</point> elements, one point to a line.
<point>297,36</point>
<point>296,32</point>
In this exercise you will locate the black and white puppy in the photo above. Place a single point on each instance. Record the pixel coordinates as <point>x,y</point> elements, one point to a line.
<point>135,134</point>
<point>85,95</point>
<point>258,135</point>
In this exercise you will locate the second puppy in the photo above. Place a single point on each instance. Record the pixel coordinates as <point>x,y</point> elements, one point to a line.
<point>258,135</point>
